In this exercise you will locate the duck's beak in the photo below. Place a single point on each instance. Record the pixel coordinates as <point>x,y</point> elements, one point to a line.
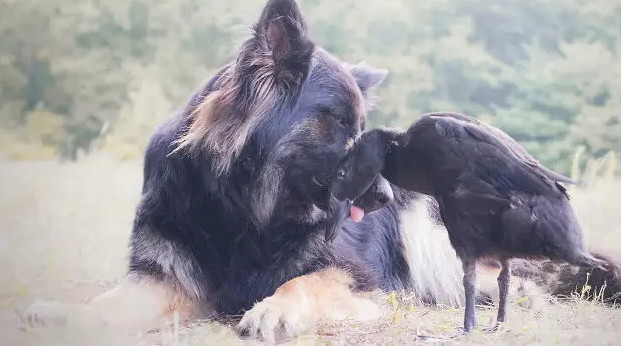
<point>337,212</point>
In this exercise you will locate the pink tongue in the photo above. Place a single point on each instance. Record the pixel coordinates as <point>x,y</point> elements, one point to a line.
<point>355,213</point>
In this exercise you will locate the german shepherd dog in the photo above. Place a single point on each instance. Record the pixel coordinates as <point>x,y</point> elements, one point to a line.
<point>233,205</point>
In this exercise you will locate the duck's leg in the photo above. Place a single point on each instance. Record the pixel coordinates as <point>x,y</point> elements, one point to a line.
<point>504,279</point>
<point>470,278</point>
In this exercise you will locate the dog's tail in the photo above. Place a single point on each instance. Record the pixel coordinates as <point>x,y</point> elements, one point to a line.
<point>597,277</point>
<point>588,260</point>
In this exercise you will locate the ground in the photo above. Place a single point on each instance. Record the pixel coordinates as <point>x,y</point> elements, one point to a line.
<point>63,236</point>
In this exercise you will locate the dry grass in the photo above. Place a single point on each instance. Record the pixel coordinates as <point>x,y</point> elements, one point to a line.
<point>63,234</point>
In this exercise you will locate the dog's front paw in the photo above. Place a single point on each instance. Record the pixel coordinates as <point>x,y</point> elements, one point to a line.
<point>62,315</point>
<point>274,319</point>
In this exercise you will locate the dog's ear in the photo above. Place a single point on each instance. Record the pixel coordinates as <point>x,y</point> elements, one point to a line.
<point>282,41</point>
<point>368,78</point>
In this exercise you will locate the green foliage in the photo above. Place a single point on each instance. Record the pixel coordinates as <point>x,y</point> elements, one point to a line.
<point>38,138</point>
<point>107,73</point>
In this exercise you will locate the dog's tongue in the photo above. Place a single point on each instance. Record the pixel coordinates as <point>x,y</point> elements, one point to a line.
<point>355,213</point>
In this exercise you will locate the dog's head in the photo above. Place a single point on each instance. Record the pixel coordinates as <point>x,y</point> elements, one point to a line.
<point>285,112</point>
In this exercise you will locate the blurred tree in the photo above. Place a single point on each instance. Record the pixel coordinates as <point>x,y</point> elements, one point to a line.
<point>107,73</point>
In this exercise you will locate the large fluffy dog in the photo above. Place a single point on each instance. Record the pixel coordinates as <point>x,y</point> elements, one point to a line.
<point>231,218</point>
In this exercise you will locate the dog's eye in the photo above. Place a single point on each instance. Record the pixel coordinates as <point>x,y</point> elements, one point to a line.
<point>341,173</point>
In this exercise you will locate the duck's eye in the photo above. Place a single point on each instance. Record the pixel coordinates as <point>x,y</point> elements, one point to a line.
<point>341,173</point>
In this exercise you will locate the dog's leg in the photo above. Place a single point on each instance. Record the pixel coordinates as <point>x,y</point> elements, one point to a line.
<point>299,304</point>
<point>134,305</point>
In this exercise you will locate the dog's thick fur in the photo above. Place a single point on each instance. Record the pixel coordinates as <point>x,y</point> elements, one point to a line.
<point>231,218</point>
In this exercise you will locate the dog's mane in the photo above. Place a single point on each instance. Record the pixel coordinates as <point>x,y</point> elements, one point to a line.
<point>247,90</point>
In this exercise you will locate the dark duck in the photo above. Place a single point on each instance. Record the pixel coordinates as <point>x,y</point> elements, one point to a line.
<point>496,201</point>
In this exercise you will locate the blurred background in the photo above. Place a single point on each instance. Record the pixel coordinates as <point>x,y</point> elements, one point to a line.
<point>85,76</point>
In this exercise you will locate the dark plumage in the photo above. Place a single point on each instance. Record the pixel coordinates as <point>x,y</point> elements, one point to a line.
<point>495,200</point>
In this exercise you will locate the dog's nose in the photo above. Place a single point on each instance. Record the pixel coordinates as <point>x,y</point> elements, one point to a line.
<point>384,198</point>
<point>383,193</point>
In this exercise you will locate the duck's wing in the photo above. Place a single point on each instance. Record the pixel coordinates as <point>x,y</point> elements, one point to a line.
<point>500,139</point>
<point>495,157</point>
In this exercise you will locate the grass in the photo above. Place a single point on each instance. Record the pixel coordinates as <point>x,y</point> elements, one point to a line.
<point>63,236</point>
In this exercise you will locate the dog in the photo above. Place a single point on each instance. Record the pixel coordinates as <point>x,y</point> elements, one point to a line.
<point>231,219</point>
